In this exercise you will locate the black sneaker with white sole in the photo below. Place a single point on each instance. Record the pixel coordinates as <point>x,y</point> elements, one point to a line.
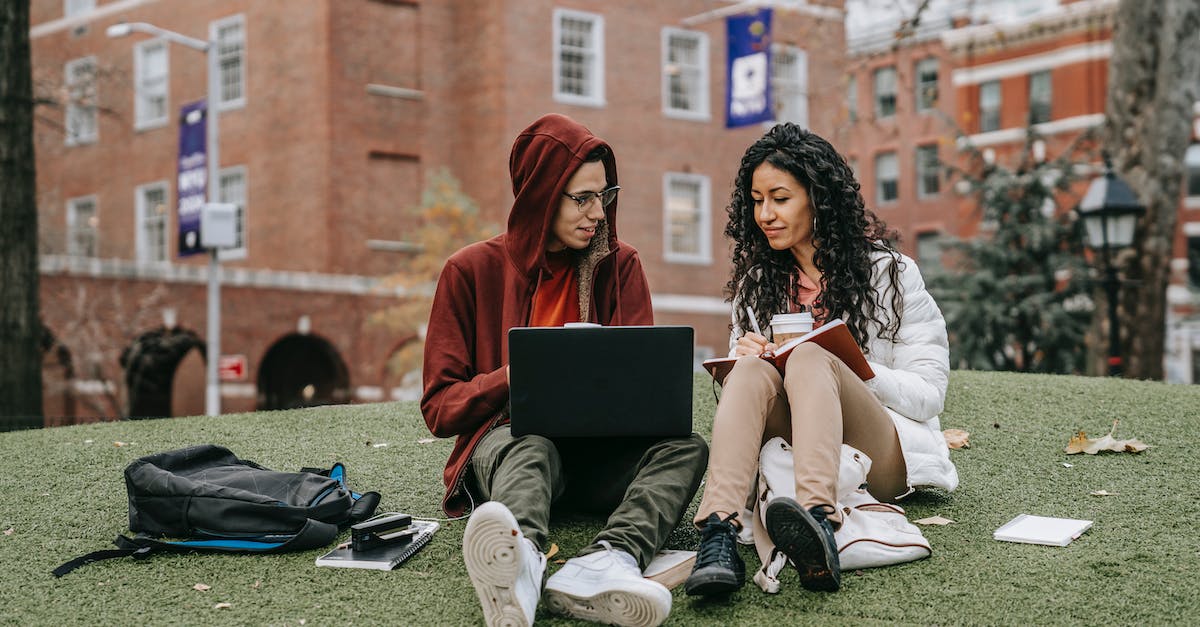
<point>719,569</point>
<point>806,537</point>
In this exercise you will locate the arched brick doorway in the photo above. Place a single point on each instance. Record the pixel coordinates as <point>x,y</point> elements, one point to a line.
<point>150,363</point>
<point>302,371</point>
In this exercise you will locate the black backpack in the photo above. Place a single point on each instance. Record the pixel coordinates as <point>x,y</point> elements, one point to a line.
<point>205,498</point>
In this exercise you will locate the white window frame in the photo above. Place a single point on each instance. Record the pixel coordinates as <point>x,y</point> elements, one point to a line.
<point>214,28</point>
<point>791,89</point>
<point>1048,102</point>
<point>72,8</point>
<point>879,179</point>
<point>144,216</point>
<point>704,227</point>
<point>698,75</point>
<point>596,84</point>
<point>242,214</point>
<point>146,87</point>
<point>922,87</point>
<point>852,97</point>
<point>921,171</point>
<point>76,111</point>
<point>73,229</point>
<point>925,239</point>
<point>1191,169</point>
<point>875,85</point>
<point>998,106</point>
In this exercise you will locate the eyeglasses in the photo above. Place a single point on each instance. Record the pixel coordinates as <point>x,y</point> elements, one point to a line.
<point>606,197</point>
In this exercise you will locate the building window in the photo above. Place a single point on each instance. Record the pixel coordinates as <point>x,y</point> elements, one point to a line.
<point>77,7</point>
<point>151,68</point>
<point>929,251</point>
<point>686,219</point>
<point>989,106</point>
<point>231,188</point>
<point>928,178</point>
<point>1039,97</point>
<point>230,35</point>
<point>852,98</point>
<point>887,177</point>
<point>1192,161</point>
<point>82,226</point>
<point>1193,259</point>
<point>789,81</point>
<point>685,74</point>
<point>151,207</point>
<point>578,57</point>
<point>81,125</point>
<point>885,92</point>
<point>927,84</point>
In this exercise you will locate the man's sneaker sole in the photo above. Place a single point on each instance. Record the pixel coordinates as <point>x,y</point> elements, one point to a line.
<point>492,551</point>
<point>800,537</point>
<point>713,581</point>
<point>630,604</point>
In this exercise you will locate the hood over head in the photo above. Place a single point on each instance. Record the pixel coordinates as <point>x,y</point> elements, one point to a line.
<point>544,158</point>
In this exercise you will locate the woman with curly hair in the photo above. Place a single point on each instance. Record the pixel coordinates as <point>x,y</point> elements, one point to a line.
<point>803,240</point>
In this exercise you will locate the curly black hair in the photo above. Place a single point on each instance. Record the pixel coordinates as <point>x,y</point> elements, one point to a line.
<point>845,233</point>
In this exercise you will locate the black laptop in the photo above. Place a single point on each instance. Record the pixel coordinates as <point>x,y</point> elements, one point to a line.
<point>593,381</point>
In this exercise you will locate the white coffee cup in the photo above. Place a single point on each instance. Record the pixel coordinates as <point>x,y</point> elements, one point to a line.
<point>790,325</point>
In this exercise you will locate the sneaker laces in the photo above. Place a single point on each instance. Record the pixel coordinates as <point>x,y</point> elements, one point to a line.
<point>718,540</point>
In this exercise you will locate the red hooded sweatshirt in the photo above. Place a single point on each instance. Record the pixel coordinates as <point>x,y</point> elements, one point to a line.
<point>487,288</point>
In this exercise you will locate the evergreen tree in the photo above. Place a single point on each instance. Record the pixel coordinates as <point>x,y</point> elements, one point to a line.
<point>1016,296</point>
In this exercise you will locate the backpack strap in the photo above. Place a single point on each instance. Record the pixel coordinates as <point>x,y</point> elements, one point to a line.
<point>314,534</point>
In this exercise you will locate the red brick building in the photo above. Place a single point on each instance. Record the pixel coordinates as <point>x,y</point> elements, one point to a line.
<point>1043,66</point>
<point>334,115</point>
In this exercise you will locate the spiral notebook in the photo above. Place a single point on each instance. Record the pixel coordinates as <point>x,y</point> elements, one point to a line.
<point>385,557</point>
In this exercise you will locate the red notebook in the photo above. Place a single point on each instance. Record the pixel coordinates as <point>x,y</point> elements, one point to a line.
<point>833,336</point>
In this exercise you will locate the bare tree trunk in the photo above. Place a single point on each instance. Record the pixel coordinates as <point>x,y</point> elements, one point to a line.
<point>20,325</point>
<point>1152,84</point>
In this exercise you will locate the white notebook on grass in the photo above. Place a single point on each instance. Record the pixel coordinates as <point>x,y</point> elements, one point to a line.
<point>1042,530</point>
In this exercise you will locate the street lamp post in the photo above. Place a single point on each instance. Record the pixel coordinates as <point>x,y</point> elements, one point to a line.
<point>1110,211</point>
<point>212,393</point>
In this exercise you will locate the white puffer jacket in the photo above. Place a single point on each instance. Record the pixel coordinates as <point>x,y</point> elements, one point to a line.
<point>910,373</point>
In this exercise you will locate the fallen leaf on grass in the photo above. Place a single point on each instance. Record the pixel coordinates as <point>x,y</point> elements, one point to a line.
<point>553,550</point>
<point>222,606</point>
<point>119,444</point>
<point>1102,493</point>
<point>203,587</point>
<point>427,440</point>
<point>934,520</point>
<point>1080,443</point>
<point>1066,465</point>
<point>956,438</point>
<point>257,584</point>
<point>9,531</point>
<point>560,562</point>
<point>379,445</point>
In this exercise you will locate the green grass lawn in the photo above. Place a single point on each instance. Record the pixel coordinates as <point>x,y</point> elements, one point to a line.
<point>62,494</point>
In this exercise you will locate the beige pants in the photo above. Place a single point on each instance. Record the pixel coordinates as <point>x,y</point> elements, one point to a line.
<point>819,405</point>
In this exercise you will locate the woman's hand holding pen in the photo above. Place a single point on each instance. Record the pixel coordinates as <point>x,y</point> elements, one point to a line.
<point>753,344</point>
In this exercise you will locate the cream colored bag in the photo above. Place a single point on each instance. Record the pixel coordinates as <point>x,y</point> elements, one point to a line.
<point>872,533</point>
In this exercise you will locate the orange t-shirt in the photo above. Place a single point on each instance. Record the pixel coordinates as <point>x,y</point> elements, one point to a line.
<point>556,301</point>
<point>804,296</point>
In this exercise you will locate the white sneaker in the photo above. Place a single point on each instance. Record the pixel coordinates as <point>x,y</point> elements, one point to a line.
<point>505,568</point>
<point>608,587</point>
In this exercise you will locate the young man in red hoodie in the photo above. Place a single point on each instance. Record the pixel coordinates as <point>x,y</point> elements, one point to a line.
<point>559,261</point>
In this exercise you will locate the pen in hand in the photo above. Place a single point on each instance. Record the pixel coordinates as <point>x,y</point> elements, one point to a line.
<point>753,321</point>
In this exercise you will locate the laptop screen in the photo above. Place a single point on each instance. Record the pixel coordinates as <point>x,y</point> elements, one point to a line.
<point>601,381</point>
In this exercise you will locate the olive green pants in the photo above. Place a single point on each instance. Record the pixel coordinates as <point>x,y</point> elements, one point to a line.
<point>642,485</point>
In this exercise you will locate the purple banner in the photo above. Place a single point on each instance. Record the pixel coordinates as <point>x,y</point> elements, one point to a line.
<point>748,88</point>
<point>192,181</point>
